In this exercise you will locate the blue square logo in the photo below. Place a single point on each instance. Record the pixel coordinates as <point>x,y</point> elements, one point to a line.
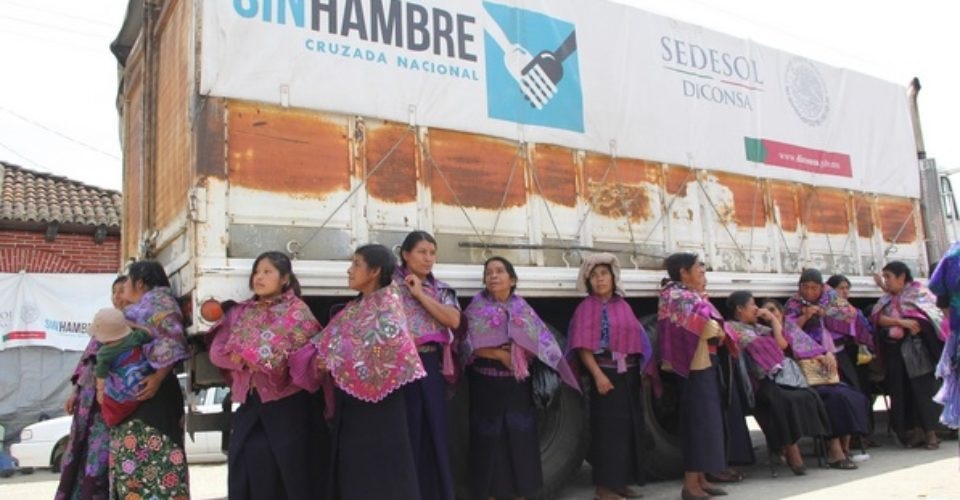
<point>533,74</point>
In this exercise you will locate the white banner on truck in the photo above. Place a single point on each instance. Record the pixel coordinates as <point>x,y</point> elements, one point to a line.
<point>587,74</point>
<point>52,310</point>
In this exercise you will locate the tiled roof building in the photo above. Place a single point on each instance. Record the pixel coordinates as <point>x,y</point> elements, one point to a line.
<point>51,224</point>
<point>27,196</point>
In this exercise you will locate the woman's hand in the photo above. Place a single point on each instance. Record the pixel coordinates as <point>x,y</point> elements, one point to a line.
<point>70,405</point>
<point>603,384</point>
<point>414,285</point>
<point>320,365</point>
<point>911,325</point>
<point>151,384</point>
<point>503,356</point>
<point>829,361</point>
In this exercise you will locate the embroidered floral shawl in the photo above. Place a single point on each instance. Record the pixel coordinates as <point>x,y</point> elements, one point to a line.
<point>492,324</point>
<point>367,347</point>
<point>840,318</point>
<point>158,312</point>
<point>682,315</point>
<point>627,335</point>
<point>422,325</point>
<point>946,281</point>
<point>801,344</point>
<point>914,301</point>
<point>760,345</point>
<point>264,333</point>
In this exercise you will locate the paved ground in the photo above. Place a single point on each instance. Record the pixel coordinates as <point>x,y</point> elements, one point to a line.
<point>891,472</point>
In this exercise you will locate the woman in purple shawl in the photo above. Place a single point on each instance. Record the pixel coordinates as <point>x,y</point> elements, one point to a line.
<point>614,349</point>
<point>147,449</point>
<point>691,329</point>
<point>432,312</point>
<point>911,329</point>
<point>846,407</point>
<point>504,335</point>
<point>786,408</point>
<point>830,320</point>
<point>83,471</point>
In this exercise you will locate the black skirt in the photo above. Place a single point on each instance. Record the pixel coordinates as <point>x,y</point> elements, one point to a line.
<point>426,402</point>
<point>372,456</point>
<point>787,414</point>
<point>847,408</point>
<point>504,444</point>
<point>279,449</point>
<point>617,432</point>
<point>911,399</point>
<point>701,421</point>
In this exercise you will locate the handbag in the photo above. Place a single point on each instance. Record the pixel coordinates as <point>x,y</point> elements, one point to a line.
<point>916,359</point>
<point>546,385</point>
<point>818,373</point>
<point>790,375</point>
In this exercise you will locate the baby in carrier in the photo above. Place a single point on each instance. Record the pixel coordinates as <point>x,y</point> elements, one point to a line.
<point>121,366</point>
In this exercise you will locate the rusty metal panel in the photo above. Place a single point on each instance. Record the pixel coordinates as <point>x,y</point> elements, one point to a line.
<point>825,210</point>
<point>677,180</point>
<point>174,168</point>
<point>863,207</point>
<point>557,172</point>
<point>478,170</point>
<point>133,198</point>
<point>619,188</point>
<point>783,195</point>
<point>748,206</point>
<point>897,219</point>
<point>211,136</point>
<point>395,179</point>
<point>286,150</point>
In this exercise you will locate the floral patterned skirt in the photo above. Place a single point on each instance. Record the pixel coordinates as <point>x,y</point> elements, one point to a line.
<point>145,463</point>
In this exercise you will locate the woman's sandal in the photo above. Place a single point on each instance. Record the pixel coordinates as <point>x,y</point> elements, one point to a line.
<point>727,476</point>
<point>844,464</point>
<point>628,492</point>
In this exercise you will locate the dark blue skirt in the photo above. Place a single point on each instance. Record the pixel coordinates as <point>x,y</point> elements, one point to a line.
<point>372,456</point>
<point>504,444</point>
<point>278,449</point>
<point>617,432</point>
<point>847,409</point>
<point>427,422</point>
<point>701,421</point>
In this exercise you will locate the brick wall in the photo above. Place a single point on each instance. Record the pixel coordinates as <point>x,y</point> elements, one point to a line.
<point>69,253</point>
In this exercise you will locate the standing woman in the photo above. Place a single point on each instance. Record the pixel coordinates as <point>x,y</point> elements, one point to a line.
<point>690,329</point>
<point>613,347</point>
<point>504,335</point>
<point>146,449</point>
<point>432,311</point>
<point>911,331</point>
<point>945,282</point>
<point>276,437</point>
<point>361,359</point>
<point>83,471</point>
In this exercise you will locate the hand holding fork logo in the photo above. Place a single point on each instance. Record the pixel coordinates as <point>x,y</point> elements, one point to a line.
<point>542,89</point>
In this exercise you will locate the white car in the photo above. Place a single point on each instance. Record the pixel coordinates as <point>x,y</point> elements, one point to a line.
<point>42,444</point>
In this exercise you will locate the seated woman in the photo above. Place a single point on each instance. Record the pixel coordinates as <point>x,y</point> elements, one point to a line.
<point>846,407</point>
<point>912,330</point>
<point>787,409</point>
<point>504,336</point>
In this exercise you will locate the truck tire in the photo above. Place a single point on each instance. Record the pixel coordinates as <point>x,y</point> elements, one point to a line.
<point>57,456</point>
<point>660,417</point>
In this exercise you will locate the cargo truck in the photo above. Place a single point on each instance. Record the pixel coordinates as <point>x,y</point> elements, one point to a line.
<point>536,130</point>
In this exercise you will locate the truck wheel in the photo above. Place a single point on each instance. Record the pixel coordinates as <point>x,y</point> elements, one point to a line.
<point>660,417</point>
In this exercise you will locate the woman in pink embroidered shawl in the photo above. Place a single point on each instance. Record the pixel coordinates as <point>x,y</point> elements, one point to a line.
<point>277,436</point>
<point>504,336</point>
<point>911,330</point>
<point>613,347</point>
<point>432,312</point>
<point>363,359</point>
